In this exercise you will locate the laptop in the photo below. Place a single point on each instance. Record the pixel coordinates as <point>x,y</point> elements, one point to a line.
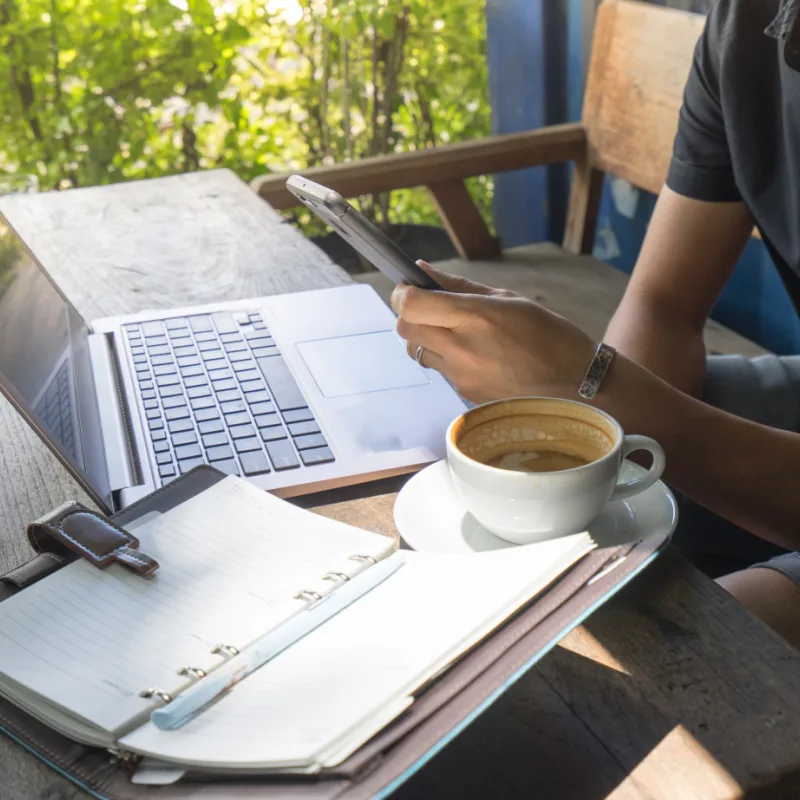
<point>297,392</point>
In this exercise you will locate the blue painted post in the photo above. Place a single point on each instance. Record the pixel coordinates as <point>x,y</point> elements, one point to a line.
<point>527,64</point>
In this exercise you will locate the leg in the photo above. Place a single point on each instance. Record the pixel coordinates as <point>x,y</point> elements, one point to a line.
<point>766,390</point>
<point>771,592</point>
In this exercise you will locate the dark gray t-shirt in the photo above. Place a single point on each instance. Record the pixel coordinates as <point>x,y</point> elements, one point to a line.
<point>739,131</point>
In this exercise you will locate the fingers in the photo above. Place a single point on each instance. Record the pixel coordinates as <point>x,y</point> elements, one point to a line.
<point>439,309</point>
<point>438,340</point>
<point>452,283</point>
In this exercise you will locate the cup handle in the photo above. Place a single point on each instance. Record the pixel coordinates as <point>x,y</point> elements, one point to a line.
<point>630,444</point>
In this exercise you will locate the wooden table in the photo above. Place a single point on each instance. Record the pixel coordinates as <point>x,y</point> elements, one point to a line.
<point>670,691</point>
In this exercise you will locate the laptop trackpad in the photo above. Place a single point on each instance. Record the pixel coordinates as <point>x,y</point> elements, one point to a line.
<point>367,362</point>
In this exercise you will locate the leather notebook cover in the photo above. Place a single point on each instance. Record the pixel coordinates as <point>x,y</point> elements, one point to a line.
<point>438,713</point>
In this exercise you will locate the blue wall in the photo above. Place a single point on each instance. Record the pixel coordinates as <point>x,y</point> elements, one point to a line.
<point>537,54</point>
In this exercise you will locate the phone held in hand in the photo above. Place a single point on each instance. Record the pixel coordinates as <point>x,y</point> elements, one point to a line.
<point>360,233</point>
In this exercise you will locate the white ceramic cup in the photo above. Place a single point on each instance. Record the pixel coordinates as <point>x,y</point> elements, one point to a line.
<point>525,507</point>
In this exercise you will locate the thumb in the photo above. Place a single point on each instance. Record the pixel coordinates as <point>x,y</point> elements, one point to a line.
<point>453,283</point>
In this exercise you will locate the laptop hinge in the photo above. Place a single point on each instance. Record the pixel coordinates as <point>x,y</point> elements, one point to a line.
<point>121,465</point>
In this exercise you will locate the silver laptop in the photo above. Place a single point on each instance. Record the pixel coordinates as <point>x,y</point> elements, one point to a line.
<point>296,392</point>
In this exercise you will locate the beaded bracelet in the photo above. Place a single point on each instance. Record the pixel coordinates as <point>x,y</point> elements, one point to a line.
<point>603,357</point>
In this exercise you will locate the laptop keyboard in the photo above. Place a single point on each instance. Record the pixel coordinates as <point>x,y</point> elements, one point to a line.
<point>217,391</point>
<point>54,410</point>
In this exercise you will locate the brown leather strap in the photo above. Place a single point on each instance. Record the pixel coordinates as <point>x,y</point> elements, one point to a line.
<point>75,529</point>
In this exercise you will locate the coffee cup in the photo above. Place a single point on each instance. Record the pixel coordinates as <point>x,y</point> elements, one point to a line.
<point>535,468</point>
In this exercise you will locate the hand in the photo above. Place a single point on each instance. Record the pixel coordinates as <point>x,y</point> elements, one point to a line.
<point>490,343</point>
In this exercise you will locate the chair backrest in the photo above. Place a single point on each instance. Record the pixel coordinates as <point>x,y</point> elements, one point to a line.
<point>641,57</point>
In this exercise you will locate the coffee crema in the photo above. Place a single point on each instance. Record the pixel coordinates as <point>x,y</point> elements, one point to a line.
<point>543,460</point>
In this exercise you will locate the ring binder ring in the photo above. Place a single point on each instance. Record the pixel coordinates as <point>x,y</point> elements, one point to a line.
<point>363,559</point>
<point>335,576</point>
<point>148,693</point>
<point>196,671</point>
<point>307,594</point>
<point>225,650</point>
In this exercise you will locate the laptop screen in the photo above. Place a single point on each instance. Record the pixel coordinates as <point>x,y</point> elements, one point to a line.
<point>44,360</point>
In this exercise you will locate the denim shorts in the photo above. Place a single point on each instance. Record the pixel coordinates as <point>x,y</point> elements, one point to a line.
<point>766,390</point>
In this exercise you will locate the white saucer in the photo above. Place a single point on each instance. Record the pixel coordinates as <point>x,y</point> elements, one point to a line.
<point>429,515</point>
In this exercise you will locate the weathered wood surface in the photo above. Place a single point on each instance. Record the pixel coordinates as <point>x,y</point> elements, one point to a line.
<point>670,691</point>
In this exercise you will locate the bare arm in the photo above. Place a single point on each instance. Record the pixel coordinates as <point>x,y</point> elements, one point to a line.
<point>690,251</point>
<point>745,472</point>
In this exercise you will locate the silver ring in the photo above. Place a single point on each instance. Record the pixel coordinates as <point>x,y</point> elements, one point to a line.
<point>419,354</point>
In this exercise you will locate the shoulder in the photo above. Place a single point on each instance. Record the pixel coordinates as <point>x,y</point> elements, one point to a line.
<point>734,24</point>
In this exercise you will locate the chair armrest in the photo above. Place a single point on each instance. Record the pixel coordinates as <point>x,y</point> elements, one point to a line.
<point>438,165</point>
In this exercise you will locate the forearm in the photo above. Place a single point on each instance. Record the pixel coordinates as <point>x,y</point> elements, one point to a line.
<point>742,471</point>
<point>663,343</point>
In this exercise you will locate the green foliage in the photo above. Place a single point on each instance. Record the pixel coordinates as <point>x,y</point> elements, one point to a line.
<point>93,93</point>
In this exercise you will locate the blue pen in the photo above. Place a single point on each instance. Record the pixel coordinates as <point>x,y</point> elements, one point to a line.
<point>207,690</point>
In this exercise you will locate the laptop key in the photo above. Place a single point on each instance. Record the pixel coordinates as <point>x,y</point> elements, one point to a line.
<point>155,424</point>
<point>164,458</point>
<point>227,383</point>
<point>158,361</point>
<point>206,336</point>
<point>158,350</point>
<point>154,413</point>
<point>202,402</point>
<point>137,351</point>
<point>239,357</point>
<point>247,445</point>
<point>140,359</point>
<point>230,337</point>
<point>171,391</point>
<point>281,382</point>
<point>214,440</point>
<point>319,455</point>
<point>298,415</point>
<point>153,328</point>
<point>233,406</point>
<point>211,344</point>
<point>235,347</point>
<point>174,402</point>
<point>180,425</point>
<point>255,463</point>
<point>158,435</point>
<point>210,426</point>
<point>225,322</point>
<point>267,420</point>
<point>176,323</point>
<point>237,419</point>
<point>245,372</point>
<point>166,470</point>
<point>229,466</point>
<point>260,352</point>
<point>263,408</point>
<point>242,431</point>
<point>219,453</point>
<point>190,463</point>
<point>167,380</point>
<point>185,437</point>
<point>256,334</point>
<point>195,380</point>
<point>149,404</point>
<point>301,428</point>
<point>217,374</point>
<point>186,350</point>
<point>228,394</point>
<point>199,324</point>
<point>206,414</point>
<point>212,356</point>
<point>273,434</point>
<point>198,391</point>
<point>176,413</point>
<point>187,451</point>
<point>190,362</point>
<point>310,441</point>
<point>252,386</point>
<point>282,455</point>
<point>165,369</point>
<point>262,398</point>
<point>142,366</point>
<point>161,447</point>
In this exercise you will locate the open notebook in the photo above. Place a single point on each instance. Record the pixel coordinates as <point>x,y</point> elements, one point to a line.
<point>79,647</point>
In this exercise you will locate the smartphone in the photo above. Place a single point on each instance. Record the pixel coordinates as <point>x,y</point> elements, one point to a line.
<point>361,234</point>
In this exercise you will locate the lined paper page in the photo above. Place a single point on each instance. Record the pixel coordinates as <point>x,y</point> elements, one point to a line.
<point>328,693</point>
<point>230,561</point>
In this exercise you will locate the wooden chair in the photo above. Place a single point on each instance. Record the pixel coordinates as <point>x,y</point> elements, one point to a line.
<point>641,58</point>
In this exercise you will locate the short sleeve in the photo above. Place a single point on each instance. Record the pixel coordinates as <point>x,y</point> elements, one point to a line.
<point>701,166</point>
